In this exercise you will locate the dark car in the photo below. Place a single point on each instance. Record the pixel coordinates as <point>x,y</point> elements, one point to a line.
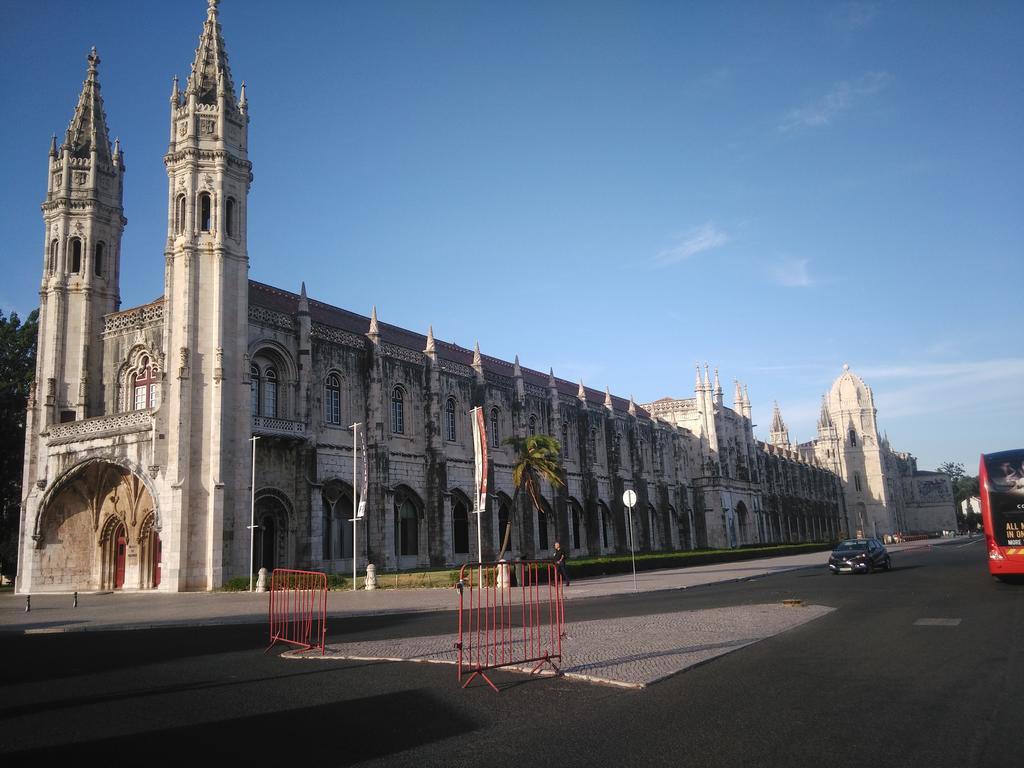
<point>859,556</point>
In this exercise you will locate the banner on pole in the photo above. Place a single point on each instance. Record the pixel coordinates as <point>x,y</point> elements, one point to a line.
<point>361,511</point>
<point>480,457</point>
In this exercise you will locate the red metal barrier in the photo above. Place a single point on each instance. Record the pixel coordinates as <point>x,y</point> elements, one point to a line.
<point>502,625</point>
<point>298,609</point>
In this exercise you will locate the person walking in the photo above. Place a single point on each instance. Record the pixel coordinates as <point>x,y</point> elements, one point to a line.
<point>559,559</point>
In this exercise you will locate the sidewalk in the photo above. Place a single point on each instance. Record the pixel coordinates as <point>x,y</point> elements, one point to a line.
<point>145,610</point>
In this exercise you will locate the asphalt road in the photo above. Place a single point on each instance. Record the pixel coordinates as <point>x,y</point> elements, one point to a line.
<point>917,667</point>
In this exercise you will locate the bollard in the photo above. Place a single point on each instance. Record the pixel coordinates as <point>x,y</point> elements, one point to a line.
<point>503,577</point>
<point>76,600</point>
<point>371,576</point>
<point>261,580</point>
<point>28,603</point>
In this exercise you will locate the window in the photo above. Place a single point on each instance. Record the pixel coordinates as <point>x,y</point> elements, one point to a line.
<point>398,411</point>
<point>495,432</point>
<point>205,212</point>
<point>254,389</point>
<point>144,386</point>
<point>533,425</point>
<point>229,217</point>
<point>853,437</point>
<point>449,420</point>
<point>76,256</point>
<point>565,439</point>
<point>575,516</point>
<point>51,265</point>
<point>179,215</point>
<point>270,393</point>
<point>332,399</point>
<point>98,260</point>
<point>856,480</point>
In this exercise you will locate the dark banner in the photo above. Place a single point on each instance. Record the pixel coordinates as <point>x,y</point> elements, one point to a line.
<point>1004,483</point>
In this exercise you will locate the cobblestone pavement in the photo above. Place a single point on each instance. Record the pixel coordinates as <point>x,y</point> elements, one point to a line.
<point>632,652</point>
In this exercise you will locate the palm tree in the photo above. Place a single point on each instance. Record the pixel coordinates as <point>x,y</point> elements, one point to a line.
<point>537,459</point>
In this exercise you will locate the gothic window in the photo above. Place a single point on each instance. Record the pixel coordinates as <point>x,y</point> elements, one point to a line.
<point>51,266</point>
<point>270,393</point>
<point>179,215</point>
<point>593,443</point>
<point>398,411</point>
<point>205,212</point>
<point>853,437</point>
<point>449,419</point>
<point>575,529</point>
<point>856,480</point>
<point>565,438</point>
<point>229,217</point>
<point>495,432</point>
<point>332,399</point>
<point>98,260</point>
<point>533,425</point>
<point>254,388</point>
<point>75,265</point>
<point>144,386</point>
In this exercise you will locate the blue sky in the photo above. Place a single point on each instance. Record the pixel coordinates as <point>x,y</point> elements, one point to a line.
<point>615,190</point>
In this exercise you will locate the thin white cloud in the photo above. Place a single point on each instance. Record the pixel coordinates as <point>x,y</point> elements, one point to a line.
<point>980,370</point>
<point>791,273</point>
<point>843,96</point>
<point>706,237</point>
<point>854,15</point>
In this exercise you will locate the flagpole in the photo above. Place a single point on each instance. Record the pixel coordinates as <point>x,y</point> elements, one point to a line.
<point>252,511</point>
<point>355,519</point>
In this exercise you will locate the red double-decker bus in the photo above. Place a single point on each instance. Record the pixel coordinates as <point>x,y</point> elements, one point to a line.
<point>1001,483</point>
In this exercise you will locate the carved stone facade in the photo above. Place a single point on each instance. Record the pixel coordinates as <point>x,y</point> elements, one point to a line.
<point>139,460</point>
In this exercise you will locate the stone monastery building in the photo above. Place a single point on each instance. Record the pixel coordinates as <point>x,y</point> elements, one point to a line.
<point>138,466</point>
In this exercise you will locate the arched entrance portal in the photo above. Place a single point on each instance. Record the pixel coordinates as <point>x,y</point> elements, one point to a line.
<point>271,536</point>
<point>99,531</point>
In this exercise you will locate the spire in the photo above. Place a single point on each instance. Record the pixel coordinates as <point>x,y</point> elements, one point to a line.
<point>707,378</point>
<point>517,372</point>
<point>88,128</point>
<point>552,384</point>
<point>517,375</point>
<point>718,389</point>
<point>632,406</point>
<point>777,423</point>
<point>697,383</point>
<point>53,145</point>
<point>175,93</point>
<point>374,331</point>
<point>431,348</point>
<point>608,399</point>
<point>211,62</point>
<point>737,396</point>
<point>581,393</point>
<point>303,300</point>
<point>779,435</point>
<point>243,102</point>
<point>478,360</point>
<point>824,419</point>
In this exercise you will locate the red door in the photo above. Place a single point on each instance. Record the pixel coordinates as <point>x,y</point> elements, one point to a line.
<point>119,557</point>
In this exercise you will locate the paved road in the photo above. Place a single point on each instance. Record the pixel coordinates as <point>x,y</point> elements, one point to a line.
<point>915,667</point>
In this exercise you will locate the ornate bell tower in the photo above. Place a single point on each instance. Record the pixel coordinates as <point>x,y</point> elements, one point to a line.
<point>206,284</point>
<point>83,216</point>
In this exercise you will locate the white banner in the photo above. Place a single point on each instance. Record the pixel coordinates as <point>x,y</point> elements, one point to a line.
<point>480,457</point>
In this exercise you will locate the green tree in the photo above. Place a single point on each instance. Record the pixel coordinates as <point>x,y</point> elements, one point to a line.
<point>964,487</point>
<point>17,368</point>
<point>537,459</point>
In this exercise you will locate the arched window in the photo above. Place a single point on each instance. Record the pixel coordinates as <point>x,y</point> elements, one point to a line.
<point>853,437</point>
<point>533,425</point>
<point>179,215</point>
<point>407,522</point>
<point>254,388</point>
<point>449,420</point>
<point>97,264</point>
<point>574,516</point>
<point>460,529</point>
<point>205,212</point>
<point>332,399</point>
<point>229,217</point>
<point>607,533</point>
<point>565,438</point>
<point>270,393</point>
<point>495,431</point>
<point>503,523</point>
<point>75,265</point>
<point>144,386</point>
<point>51,266</point>
<point>397,411</point>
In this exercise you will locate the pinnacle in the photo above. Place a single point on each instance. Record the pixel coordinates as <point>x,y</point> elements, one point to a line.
<point>88,128</point>
<point>211,63</point>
